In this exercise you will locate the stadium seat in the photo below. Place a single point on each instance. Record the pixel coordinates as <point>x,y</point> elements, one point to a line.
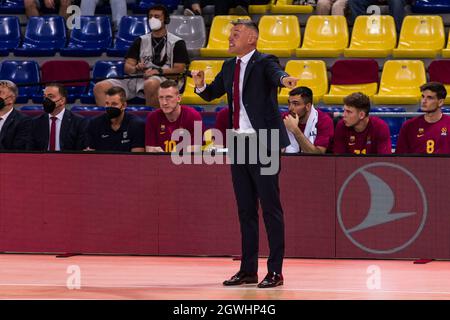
<point>92,38</point>
<point>331,109</point>
<point>211,69</point>
<point>325,36</point>
<point>21,72</point>
<point>12,7</point>
<point>130,28</point>
<point>140,108</point>
<point>394,123</point>
<point>439,70</point>
<point>311,73</point>
<point>431,6</point>
<point>143,5</point>
<point>102,70</point>
<point>372,37</point>
<point>44,36</point>
<point>420,37</point>
<point>344,79</point>
<point>218,37</point>
<point>73,70</point>
<point>446,52</point>
<point>87,108</point>
<point>190,29</point>
<point>400,82</point>
<point>279,35</point>
<point>9,34</point>
<point>32,108</point>
<point>286,7</point>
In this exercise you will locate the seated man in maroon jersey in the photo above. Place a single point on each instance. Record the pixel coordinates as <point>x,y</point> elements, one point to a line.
<point>171,116</point>
<point>310,130</point>
<point>427,134</point>
<point>359,133</point>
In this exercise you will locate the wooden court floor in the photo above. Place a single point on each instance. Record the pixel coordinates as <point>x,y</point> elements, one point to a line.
<point>167,278</point>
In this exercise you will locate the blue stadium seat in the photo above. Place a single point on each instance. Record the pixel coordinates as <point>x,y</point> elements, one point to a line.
<point>12,6</point>
<point>9,34</point>
<point>144,5</point>
<point>431,6</point>
<point>32,108</point>
<point>332,109</point>
<point>92,38</point>
<point>87,108</point>
<point>21,72</point>
<point>394,123</point>
<point>219,108</point>
<point>283,109</point>
<point>140,108</point>
<point>130,28</point>
<point>102,69</point>
<point>44,36</point>
<point>198,108</point>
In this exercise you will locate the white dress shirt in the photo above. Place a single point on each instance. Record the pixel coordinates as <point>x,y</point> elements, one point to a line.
<point>4,117</point>
<point>59,118</point>
<point>245,126</point>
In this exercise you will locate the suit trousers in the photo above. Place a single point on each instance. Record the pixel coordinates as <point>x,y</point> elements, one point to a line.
<point>250,186</point>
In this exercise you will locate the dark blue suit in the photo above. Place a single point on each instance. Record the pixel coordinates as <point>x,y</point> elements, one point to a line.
<point>15,134</point>
<point>261,81</point>
<point>72,136</point>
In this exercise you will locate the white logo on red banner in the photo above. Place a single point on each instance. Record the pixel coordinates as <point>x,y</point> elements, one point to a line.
<point>382,208</point>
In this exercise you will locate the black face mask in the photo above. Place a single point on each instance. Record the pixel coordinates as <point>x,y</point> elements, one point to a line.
<point>113,112</point>
<point>3,103</point>
<point>49,105</point>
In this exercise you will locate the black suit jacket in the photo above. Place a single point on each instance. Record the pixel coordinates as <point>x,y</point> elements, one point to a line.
<point>15,134</point>
<point>261,81</point>
<point>72,135</point>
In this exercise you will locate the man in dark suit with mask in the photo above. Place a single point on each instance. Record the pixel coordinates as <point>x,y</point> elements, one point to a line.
<point>58,129</point>
<point>251,81</point>
<point>15,127</point>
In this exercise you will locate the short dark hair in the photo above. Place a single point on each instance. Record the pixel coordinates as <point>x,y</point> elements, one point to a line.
<point>304,92</point>
<point>169,84</point>
<point>117,91</point>
<point>435,87</point>
<point>359,101</point>
<point>61,89</point>
<point>246,22</point>
<point>159,7</point>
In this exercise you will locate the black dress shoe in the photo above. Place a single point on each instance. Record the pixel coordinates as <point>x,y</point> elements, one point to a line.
<point>241,278</point>
<point>271,280</point>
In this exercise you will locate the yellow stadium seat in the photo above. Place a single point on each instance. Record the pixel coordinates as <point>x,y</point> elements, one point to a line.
<point>420,37</point>
<point>339,92</point>
<point>312,74</point>
<point>400,82</point>
<point>372,37</point>
<point>211,68</point>
<point>325,36</point>
<point>446,51</point>
<point>218,37</point>
<point>279,35</point>
<point>286,7</point>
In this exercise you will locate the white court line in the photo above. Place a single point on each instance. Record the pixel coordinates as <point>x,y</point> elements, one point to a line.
<point>221,289</point>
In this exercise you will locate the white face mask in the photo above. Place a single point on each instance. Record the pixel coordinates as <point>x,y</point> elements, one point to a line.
<point>154,24</point>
